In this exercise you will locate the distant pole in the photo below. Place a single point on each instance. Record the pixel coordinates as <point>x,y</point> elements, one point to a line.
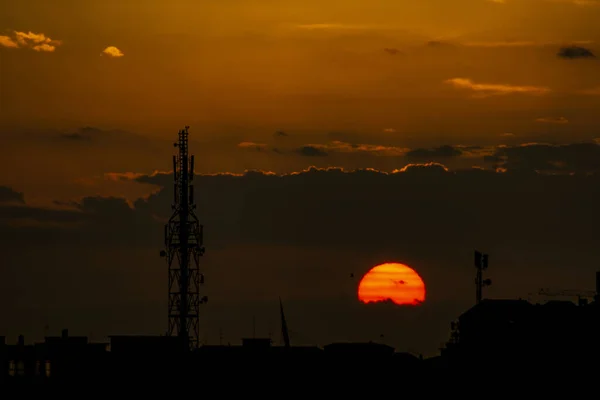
<point>481,264</point>
<point>253,327</point>
<point>478,277</point>
<point>284,327</point>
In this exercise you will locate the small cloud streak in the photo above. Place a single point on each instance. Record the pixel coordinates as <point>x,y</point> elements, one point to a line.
<point>491,89</point>
<point>574,52</point>
<point>7,41</point>
<point>122,176</point>
<point>322,27</point>
<point>515,43</point>
<point>550,120</point>
<point>35,41</point>
<point>252,146</point>
<point>578,2</point>
<point>337,146</point>
<point>392,51</point>
<point>591,92</point>
<point>511,44</point>
<point>113,52</point>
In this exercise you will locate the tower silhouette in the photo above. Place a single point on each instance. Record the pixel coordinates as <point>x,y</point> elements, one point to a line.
<point>183,249</point>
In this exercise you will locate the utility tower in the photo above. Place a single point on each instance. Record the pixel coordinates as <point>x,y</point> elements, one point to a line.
<point>481,264</point>
<point>183,249</point>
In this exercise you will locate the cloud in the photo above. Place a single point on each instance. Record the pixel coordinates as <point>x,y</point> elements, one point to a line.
<point>511,156</point>
<point>389,130</point>
<point>9,196</point>
<point>6,41</point>
<point>574,52</point>
<point>514,43</point>
<point>490,89</point>
<point>311,151</point>
<point>575,158</point>
<point>392,51</point>
<point>122,176</point>
<point>506,43</point>
<point>332,26</point>
<point>553,120</point>
<point>252,146</point>
<point>591,92</point>
<point>439,44</point>
<point>87,133</point>
<point>578,2</point>
<point>438,152</point>
<point>337,146</point>
<point>35,41</point>
<point>113,52</point>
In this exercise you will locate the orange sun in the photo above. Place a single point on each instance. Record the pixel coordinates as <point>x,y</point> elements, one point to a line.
<point>392,281</point>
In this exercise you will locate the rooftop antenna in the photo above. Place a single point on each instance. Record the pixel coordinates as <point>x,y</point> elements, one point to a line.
<point>284,328</point>
<point>183,249</point>
<point>481,264</point>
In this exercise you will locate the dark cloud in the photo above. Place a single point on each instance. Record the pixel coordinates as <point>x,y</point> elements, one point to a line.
<point>392,51</point>
<point>75,136</point>
<point>311,151</point>
<point>552,120</point>
<point>84,133</point>
<point>8,195</point>
<point>581,158</point>
<point>572,52</point>
<point>439,43</point>
<point>419,197</point>
<point>281,133</point>
<point>434,153</point>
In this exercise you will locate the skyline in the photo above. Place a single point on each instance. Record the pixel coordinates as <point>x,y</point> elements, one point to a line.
<point>329,137</point>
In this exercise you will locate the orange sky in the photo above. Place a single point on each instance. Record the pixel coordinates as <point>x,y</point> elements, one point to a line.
<point>387,72</point>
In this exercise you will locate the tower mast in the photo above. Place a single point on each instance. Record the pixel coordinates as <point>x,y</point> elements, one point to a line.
<point>183,249</point>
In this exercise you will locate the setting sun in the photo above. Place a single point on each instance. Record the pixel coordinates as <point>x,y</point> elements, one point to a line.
<point>392,282</point>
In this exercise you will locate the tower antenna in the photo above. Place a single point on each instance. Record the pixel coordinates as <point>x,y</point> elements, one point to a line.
<point>481,264</point>
<point>183,249</point>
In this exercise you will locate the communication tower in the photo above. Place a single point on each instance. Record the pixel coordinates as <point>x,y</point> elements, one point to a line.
<point>481,264</point>
<point>183,249</point>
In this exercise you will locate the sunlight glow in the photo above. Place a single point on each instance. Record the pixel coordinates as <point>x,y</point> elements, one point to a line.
<point>392,282</point>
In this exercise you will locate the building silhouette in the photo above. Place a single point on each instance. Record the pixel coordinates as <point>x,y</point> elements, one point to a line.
<point>508,330</point>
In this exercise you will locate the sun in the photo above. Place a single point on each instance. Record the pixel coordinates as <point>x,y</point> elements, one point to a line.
<point>394,282</point>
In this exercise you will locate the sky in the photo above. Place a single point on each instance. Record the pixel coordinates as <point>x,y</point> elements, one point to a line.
<point>329,137</point>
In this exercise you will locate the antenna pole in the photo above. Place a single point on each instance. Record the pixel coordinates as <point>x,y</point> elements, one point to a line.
<point>284,328</point>
<point>481,264</point>
<point>183,249</point>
